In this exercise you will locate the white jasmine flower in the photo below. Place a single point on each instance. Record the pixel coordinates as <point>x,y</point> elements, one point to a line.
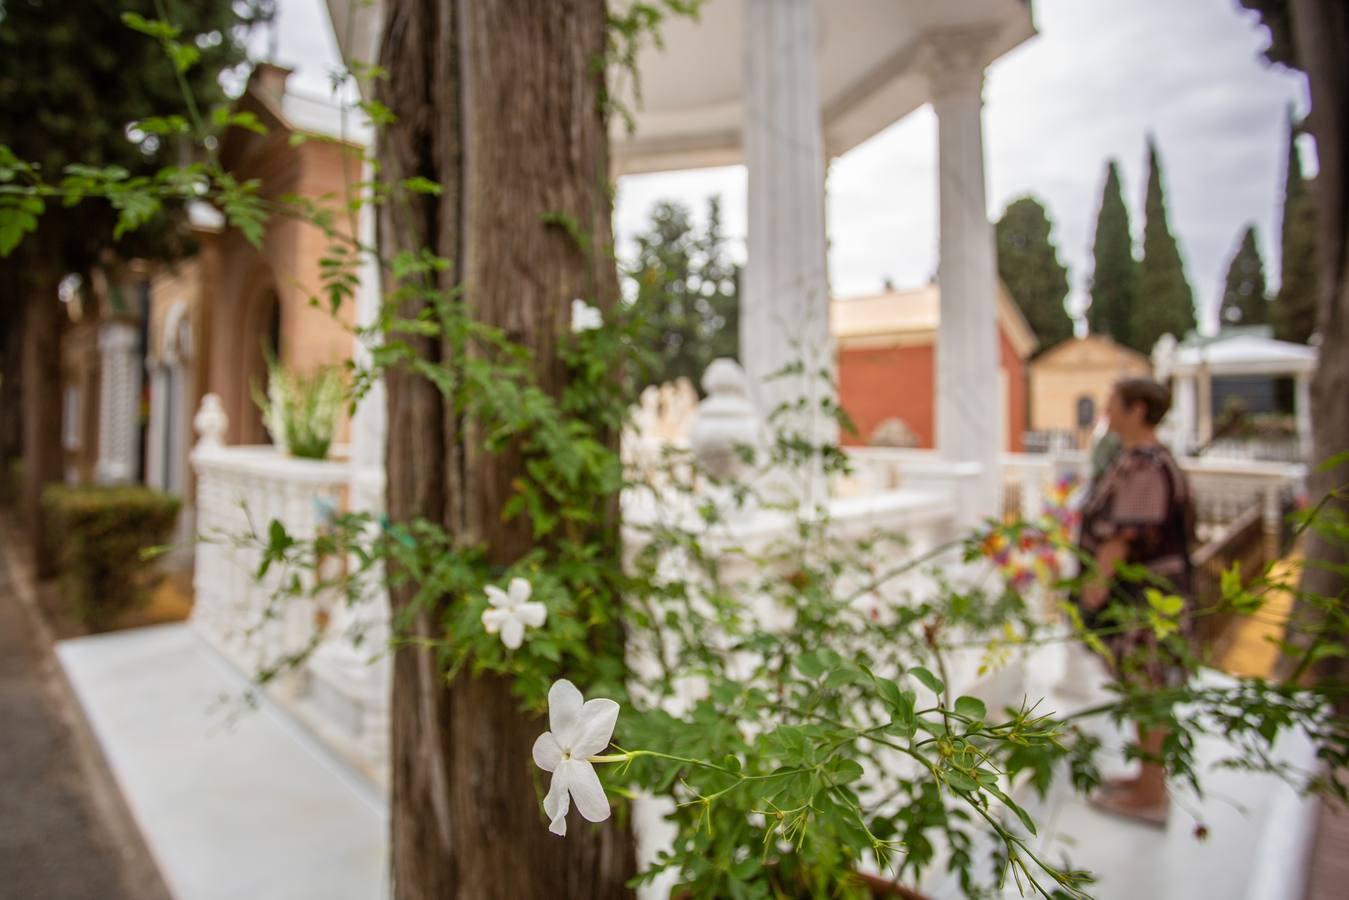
<point>511,612</point>
<point>580,730</point>
<point>584,317</point>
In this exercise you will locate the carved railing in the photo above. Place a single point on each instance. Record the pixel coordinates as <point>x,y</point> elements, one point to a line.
<point>341,690</point>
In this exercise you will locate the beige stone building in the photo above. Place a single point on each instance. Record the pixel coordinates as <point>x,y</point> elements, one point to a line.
<point>214,316</point>
<point>1070,383</point>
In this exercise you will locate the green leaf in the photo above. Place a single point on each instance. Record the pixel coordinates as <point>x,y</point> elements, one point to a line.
<point>419,185</point>
<point>223,118</point>
<point>184,56</point>
<point>1168,605</point>
<point>1334,462</point>
<point>927,679</point>
<point>18,216</point>
<point>155,28</point>
<point>971,708</point>
<point>960,781</point>
<point>1007,801</point>
<point>846,771</point>
<point>809,665</point>
<point>164,125</point>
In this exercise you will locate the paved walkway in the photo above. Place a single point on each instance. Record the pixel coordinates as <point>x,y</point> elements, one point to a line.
<point>234,802</point>
<point>56,842</point>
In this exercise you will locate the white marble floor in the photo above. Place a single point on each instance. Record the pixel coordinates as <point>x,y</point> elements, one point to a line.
<point>249,804</point>
<point>233,802</point>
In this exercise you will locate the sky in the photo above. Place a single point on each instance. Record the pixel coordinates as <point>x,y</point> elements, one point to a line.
<point>1100,76</point>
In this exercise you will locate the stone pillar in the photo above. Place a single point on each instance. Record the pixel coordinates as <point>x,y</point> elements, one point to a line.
<point>1185,415</point>
<point>1204,404</point>
<point>967,338</point>
<point>784,316</point>
<point>1302,414</point>
<point>118,402</point>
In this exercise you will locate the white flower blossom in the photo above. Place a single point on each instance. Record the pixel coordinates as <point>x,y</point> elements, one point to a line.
<point>584,317</point>
<point>580,730</point>
<point>511,612</point>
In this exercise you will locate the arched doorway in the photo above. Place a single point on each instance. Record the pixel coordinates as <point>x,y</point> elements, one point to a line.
<point>259,336</point>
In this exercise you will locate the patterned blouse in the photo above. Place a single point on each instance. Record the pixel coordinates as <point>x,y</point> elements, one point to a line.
<point>1144,498</point>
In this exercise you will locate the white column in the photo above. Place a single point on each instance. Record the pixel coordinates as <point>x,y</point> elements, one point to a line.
<point>1187,425</point>
<point>784,316</point>
<point>119,402</point>
<point>1204,402</point>
<point>967,338</point>
<point>1302,413</point>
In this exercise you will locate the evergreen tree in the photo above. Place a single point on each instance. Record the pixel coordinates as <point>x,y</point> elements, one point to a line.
<point>687,290</point>
<point>1244,299</point>
<point>1295,304</point>
<point>1165,301</point>
<point>1028,263</point>
<point>1114,278</point>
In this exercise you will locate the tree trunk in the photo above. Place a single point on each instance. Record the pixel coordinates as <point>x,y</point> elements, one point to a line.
<point>11,369</point>
<point>1321,36</point>
<point>499,102</point>
<point>42,399</point>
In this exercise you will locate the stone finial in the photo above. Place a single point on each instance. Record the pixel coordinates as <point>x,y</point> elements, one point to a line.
<point>726,419</point>
<point>210,422</point>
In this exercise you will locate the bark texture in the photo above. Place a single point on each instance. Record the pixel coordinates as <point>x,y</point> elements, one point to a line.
<point>1321,37</point>
<point>498,101</point>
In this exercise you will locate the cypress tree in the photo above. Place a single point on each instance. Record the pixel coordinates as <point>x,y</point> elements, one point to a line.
<point>1028,263</point>
<point>1244,299</point>
<point>1114,279</point>
<point>1165,301</point>
<point>1295,304</point>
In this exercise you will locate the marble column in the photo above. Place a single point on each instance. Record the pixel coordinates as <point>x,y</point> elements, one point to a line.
<point>784,317</point>
<point>1302,413</point>
<point>1204,402</point>
<point>119,402</point>
<point>967,384</point>
<point>1185,414</point>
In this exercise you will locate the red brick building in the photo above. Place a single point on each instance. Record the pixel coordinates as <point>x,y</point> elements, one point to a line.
<point>886,363</point>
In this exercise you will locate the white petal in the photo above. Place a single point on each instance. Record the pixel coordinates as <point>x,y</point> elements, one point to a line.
<point>586,790</point>
<point>492,619</point>
<point>496,596</point>
<point>512,631</point>
<point>564,702</point>
<point>556,803</point>
<point>519,590</point>
<point>594,727</point>
<point>532,614</point>
<point>547,754</point>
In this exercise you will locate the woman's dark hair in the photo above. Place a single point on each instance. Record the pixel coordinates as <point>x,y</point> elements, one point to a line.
<point>1156,398</point>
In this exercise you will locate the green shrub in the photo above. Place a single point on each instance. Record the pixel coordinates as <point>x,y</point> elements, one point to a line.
<point>101,534</point>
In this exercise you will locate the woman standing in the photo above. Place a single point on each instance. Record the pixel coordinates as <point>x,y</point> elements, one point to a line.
<point>1139,513</point>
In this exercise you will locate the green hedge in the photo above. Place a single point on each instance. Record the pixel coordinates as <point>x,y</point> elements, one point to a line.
<point>99,534</point>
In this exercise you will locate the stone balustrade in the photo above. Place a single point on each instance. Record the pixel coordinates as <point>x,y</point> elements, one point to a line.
<point>341,690</point>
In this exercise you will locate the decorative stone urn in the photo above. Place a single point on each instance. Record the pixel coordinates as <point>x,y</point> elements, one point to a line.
<point>210,422</point>
<point>726,420</point>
